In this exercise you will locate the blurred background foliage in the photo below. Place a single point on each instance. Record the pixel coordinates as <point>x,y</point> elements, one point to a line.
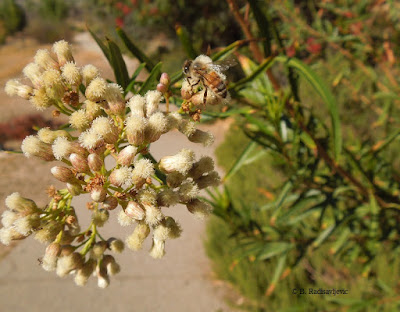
<point>311,192</point>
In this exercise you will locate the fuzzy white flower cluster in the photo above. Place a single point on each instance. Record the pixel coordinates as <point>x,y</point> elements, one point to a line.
<point>137,188</point>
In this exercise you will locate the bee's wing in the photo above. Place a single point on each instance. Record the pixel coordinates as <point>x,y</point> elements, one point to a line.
<point>224,65</point>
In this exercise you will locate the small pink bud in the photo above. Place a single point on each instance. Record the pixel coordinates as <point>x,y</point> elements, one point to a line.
<point>162,88</point>
<point>134,211</point>
<point>164,79</point>
<point>79,163</point>
<point>95,162</point>
<point>63,174</point>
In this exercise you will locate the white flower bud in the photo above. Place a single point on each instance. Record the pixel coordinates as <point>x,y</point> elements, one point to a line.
<point>33,72</point>
<point>121,177</point>
<point>71,74</point>
<point>157,251</point>
<point>98,194</point>
<point>205,138</point>
<point>14,87</point>
<point>134,211</point>
<point>83,274</point>
<point>26,224</point>
<point>96,90</point>
<point>143,169</point>
<point>211,179</point>
<point>173,120</point>
<point>8,217</point>
<point>115,100</point>
<point>110,203</point>
<point>9,234</point>
<point>79,163</point>
<point>32,146</point>
<point>74,189</point>
<point>126,155</point>
<point>49,136</point>
<point>49,232</point>
<point>204,165</point>
<point>63,51</point>
<point>63,148</point>
<point>89,72</point>
<point>157,125</point>
<point>68,263</point>
<point>187,191</point>
<point>187,127</point>
<point>95,162</point>
<point>124,220</point>
<point>79,120</point>
<point>174,179</point>
<point>148,196</point>
<point>98,250</point>
<point>135,129</point>
<point>44,59</point>
<point>199,208</point>
<point>40,100</point>
<point>112,267</point>
<point>49,260</point>
<point>181,162</point>
<point>106,128</point>
<point>100,217</point>
<point>153,98</point>
<point>90,140</point>
<point>103,279</point>
<point>167,197</point>
<point>53,84</point>
<point>136,239</point>
<point>137,105</point>
<point>63,174</point>
<point>92,110</point>
<point>20,204</point>
<point>116,245</point>
<point>153,214</point>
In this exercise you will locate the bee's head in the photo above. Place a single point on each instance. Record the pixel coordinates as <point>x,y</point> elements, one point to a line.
<point>186,67</point>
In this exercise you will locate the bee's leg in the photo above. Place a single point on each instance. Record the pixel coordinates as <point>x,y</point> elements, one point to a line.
<point>205,97</point>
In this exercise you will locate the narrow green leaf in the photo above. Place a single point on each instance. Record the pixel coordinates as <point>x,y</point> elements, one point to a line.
<point>272,249</point>
<point>325,94</point>
<point>133,78</point>
<point>263,25</point>
<point>184,37</point>
<point>241,160</point>
<point>118,64</point>
<point>102,46</point>
<point>323,236</point>
<point>228,50</point>
<point>135,50</point>
<point>279,268</point>
<point>269,134</point>
<point>152,80</point>
<point>267,63</point>
<point>287,187</point>
<point>340,241</point>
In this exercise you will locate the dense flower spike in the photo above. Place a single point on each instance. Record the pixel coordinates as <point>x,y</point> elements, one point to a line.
<point>135,187</point>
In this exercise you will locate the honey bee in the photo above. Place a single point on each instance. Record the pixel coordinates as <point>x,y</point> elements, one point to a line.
<point>210,76</point>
